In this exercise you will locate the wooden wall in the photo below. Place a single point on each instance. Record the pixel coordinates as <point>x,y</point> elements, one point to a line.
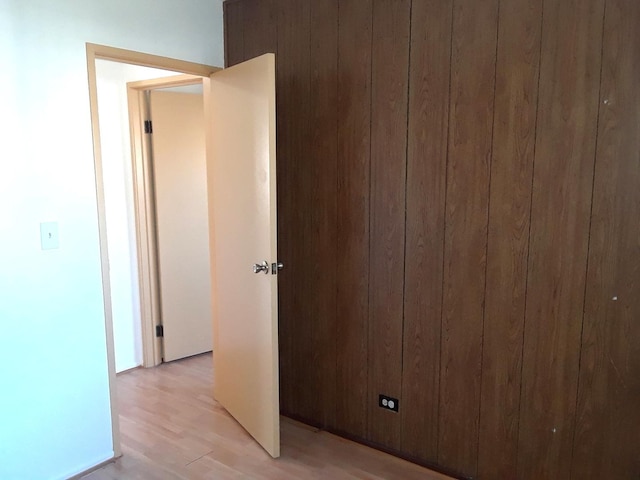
<point>459,216</point>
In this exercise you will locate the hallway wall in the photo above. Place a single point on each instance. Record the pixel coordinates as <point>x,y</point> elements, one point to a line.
<point>117,170</point>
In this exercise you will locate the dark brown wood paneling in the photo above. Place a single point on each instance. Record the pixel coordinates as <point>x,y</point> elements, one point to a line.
<point>292,134</point>
<point>473,59</point>
<point>426,181</point>
<point>352,261</point>
<point>295,286</point>
<point>390,79</point>
<point>608,417</point>
<point>494,248</point>
<point>233,33</point>
<point>286,205</point>
<point>561,203</point>
<point>514,129</point>
<point>258,41</point>
<point>321,244</point>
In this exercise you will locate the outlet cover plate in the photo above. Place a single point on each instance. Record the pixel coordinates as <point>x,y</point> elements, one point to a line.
<point>388,403</point>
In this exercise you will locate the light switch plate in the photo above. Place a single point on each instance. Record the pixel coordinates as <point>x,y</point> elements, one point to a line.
<point>49,239</point>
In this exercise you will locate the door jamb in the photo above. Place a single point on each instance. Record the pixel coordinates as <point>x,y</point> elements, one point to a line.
<point>94,52</point>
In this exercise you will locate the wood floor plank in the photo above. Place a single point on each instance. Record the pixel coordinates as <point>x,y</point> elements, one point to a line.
<point>173,429</point>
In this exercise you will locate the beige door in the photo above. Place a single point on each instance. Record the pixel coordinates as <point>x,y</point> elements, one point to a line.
<point>242,207</point>
<point>179,172</point>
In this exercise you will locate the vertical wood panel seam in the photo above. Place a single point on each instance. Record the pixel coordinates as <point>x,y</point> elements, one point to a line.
<point>586,282</point>
<point>308,140</point>
<point>337,197</point>
<point>486,247</point>
<point>526,282</point>
<point>368,365</point>
<point>444,226</point>
<point>337,214</point>
<point>404,262</point>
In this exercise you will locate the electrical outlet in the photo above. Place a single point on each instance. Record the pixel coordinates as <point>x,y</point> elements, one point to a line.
<point>388,403</point>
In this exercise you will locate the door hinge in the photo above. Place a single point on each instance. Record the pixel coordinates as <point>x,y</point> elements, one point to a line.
<point>159,331</point>
<point>148,126</point>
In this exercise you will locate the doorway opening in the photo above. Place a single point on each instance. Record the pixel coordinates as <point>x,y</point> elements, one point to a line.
<point>240,122</point>
<point>172,228</point>
<point>191,73</point>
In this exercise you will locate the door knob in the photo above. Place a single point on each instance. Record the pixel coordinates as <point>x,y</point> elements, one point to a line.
<point>275,267</point>
<point>261,267</point>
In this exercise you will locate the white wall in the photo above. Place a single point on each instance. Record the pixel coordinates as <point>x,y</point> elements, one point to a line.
<point>112,78</point>
<point>54,406</point>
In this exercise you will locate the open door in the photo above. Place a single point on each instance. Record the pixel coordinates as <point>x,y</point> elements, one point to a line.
<point>180,191</point>
<point>241,172</point>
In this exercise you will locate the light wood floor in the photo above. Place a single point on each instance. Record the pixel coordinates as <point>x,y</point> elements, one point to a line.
<point>173,429</point>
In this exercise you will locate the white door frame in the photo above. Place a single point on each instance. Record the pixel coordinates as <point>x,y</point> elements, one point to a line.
<point>135,58</point>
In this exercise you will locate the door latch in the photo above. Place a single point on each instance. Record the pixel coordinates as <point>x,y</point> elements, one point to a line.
<point>276,267</point>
